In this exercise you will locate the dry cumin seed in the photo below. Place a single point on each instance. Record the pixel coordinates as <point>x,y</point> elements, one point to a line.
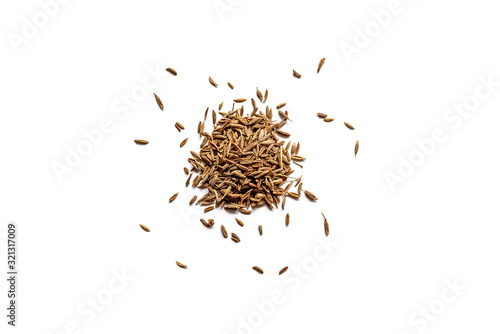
<point>193,200</point>
<point>297,148</point>
<point>145,228</point>
<point>282,271</point>
<point>230,85</point>
<point>160,104</point>
<point>287,219</point>
<point>326,225</point>
<point>220,105</point>
<point>260,229</point>
<point>184,142</point>
<point>320,65</point>
<point>210,208</point>
<point>172,71</point>
<point>235,238</point>
<point>257,269</point>
<point>239,100</point>
<point>245,211</point>
<point>356,148</point>
<point>321,115</point>
<point>282,133</point>
<point>188,179</point>
<point>239,222</point>
<point>259,95</point>
<point>281,105</point>
<point>212,82</point>
<point>186,170</point>
<point>224,232</point>
<point>298,164</point>
<point>180,125</point>
<point>296,74</point>
<point>349,126</point>
<point>310,195</point>
<point>328,120</point>
<point>204,222</point>
<point>211,222</point>
<point>265,96</point>
<point>181,265</point>
<point>141,142</point>
<point>214,117</point>
<point>174,196</point>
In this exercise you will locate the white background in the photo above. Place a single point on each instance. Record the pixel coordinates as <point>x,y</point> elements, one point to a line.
<point>397,247</point>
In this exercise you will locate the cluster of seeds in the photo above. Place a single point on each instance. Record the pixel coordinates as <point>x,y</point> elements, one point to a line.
<point>244,162</point>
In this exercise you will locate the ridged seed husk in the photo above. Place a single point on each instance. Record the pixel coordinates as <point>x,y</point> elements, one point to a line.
<point>181,265</point>
<point>172,71</point>
<point>310,195</point>
<point>281,105</point>
<point>141,142</point>
<point>184,142</point>
<point>223,230</point>
<point>356,148</point>
<point>287,219</point>
<point>296,74</point>
<point>321,115</point>
<point>349,126</point>
<point>145,228</point>
<point>160,104</point>
<point>193,200</point>
<point>260,229</point>
<point>212,82</point>
<point>239,100</point>
<point>239,222</point>
<point>283,270</point>
<point>174,196</point>
<point>320,65</point>
<point>328,120</point>
<point>258,269</point>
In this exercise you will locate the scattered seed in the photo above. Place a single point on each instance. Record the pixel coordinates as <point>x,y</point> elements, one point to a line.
<point>193,200</point>
<point>212,82</point>
<point>160,104</point>
<point>349,126</point>
<point>235,238</point>
<point>239,222</point>
<point>184,142</point>
<point>328,120</point>
<point>260,229</point>
<point>296,74</point>
<point>172,71</point>
<point>230,85</point>
<point>281,105</point>
<point>327,227</point>
<point>141,142</point>
<point>210,208</point>
<point>282,271</point>
<point>320,115</point>
<point>321,62</point>
<point>174,196</point>
<point>204,222</point>
<point>186,170</point>
<point>239,100</point>
<point>223,230</point>
<point>188,179</point>
<point>257,269</point>
<point>145,228</point>
<point>259,95</point>
<point>181,265</point>
<point>220,105</point>
<point>179,126</point>
<point>356,148</point>
<point>287,219</point>
<point>265,96</point>
<point>310,195</point>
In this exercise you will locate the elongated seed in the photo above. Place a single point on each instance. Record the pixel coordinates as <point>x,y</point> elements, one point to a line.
<point>172,71</point>
<point>282,271</point>
<point>186,170</point>
<point>296,74</point>
<point>349,126</point>
<point>210,208</point>
<point>230,85</point>
<point>145,228</point>
<point>320,115</point>
<point>239,100</point>
<point>259,95</point>
<point>160,104</point>
<point>320,65</point>
<point>184,142</point>
<point>223,230</point>
<point>356,148</point>
<point>257,269</point>
<point>328,120</point>
<point>174,196</point>
<point>239,222</point>
<point>310,195</point>
<point>260,229</point>
<point>141,142</point>
<point>287,219</point>
<point>281,105</point>
<point>193,200</point>
<point>265,96</point>
<point>212,82</point>
<point>181,265</point>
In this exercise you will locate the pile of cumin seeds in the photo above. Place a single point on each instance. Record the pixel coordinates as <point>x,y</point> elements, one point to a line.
<point>243,163</point>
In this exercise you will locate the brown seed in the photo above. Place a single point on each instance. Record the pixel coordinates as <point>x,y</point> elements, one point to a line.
<point>212,82</point>
<point>257,269</point>
<point>356,148</point>
<point>141,142</point>
<point>188,179</point>
<point>265,96</point>
<point>214,118</point>
<point>349,126</point>
<point>160,104</point>
<point>282,271</point>
<point>310,195</point>
<point>283,133</point>
<point>186,170</point>
<point>327,228</point>
<point>281,105</point>
<point>259,95</point>
<point>172,71</point>
<point>239,222</point>
<point>210,208</point>
<point>287,219</point>
<point>223,230</point>
<point>328,120</point>
<point>174,196</point>
<point>211,222</point>
<point>145,228</point>
<point>235,238</point>
<point>239,100</point>
<point>220,105</point>
<point>179,126</point>
<point>181,265</point>
<point>296,74</point>
<point>230,85</point>
<point>204,222</point>
<point>320,115</point>
<point>184,142</point>
<point>193,200</point>
<point>320,65</point>
<point>260,229</point>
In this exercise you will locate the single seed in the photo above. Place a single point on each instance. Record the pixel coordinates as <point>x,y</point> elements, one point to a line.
<point>230,85</point>
<point>188,179</point>
<point>283,133</point>
<point>174,196</point>
<point>204,222</point>
<point>281,105</point>
<point>356,148</point>
<point>239,222</point>
<point>211,222</point>
<point>260,229</point>
<point>239,100</point>
<point>141,142</point>
<point>320,65</point>
<point>287,219</point>
<point>320,115</point>
<point>259,95</point>
<point>172,71</point>
<point>328,120</point>
<point>265,96</point>
<point>193,200</point>
<point>296,74</point>
<point>186,170</point>
<point>224,232</point>
<point>349,126</point>
<point>210,208</point>
<point>179,125</point>
<point>181,265</point>
<point>160,104</point>
<point>220,105</point>
<point>145,228</point>
<point>282,271</point>
<point>214,118</point>
<point>257,269</point>
<point>184,142</point>
<point>212,82</point>
<point>327,227</point>
<point>310,195</point>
